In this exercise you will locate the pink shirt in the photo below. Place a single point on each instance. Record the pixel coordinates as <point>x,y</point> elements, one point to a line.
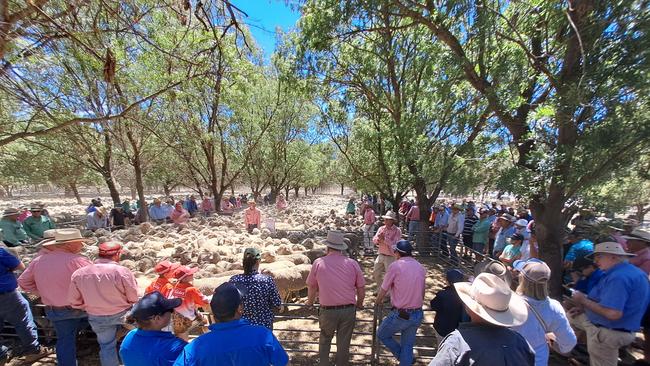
<point>252,216</point>
<point>391,237</point>
<point>281,204</point>
<point>103,288</point>
<point>179,217</point>
<point>642,260</point>
<point>414,213</point>
<point>49,275</point>
<point>206,205</point>
<point>405,281</point>
<point>369,217</point>
<point>337,279</point>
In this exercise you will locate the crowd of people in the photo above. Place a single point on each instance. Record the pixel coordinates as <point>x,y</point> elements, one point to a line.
<point>501,314</point>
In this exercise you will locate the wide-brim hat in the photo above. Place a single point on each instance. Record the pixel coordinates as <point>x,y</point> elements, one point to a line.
<point>335,240</point>
<point>507,217</point>
<point>184,271</point>
<point>390,215</point>
<point>638,234</point>
<point>490,298</point>
<point>64,236</point>
<point>37,206</point>
<point>10,212</point>
<point>610,247</point>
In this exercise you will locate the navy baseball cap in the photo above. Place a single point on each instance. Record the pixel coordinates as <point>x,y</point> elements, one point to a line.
<point>226,300</point>
<point>153,304</point>
<point>404,246</point>
<point>454,275</point>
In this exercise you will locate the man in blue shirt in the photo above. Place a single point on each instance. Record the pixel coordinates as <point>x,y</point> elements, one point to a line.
<point>158,212</point>
<point>611,313</point>
<point>580,247</point>
<point>232,340</point>
<point>148,345</point>
<point>15,310</point>
<point>588,275</point>
<point>507,229</point>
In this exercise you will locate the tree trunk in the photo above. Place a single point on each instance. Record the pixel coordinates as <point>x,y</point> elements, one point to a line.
<point>305,191</point>
<point>112,187</point>
<point>296,191</point>
<point>75,192</point>
<point>641,211</point>
<point>286,192</point>
<point>167,190</point>
<point>342,188</point>
<point>134,192</point>
<point>139,186</point>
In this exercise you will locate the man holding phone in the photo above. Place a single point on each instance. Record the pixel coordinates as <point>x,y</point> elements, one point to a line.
<point>405,282</point>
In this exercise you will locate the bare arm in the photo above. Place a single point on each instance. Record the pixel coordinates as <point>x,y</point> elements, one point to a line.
<point>361,295</point>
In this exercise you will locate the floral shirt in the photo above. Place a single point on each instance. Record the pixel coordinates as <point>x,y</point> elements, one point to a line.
<point>260,296</point>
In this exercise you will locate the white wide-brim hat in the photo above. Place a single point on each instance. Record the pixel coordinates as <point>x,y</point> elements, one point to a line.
<point>610,247</point>
<point>491,299</point>
<point>63,236</point>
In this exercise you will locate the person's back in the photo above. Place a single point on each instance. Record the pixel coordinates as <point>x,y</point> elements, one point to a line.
<point>449,310</point>
<point>261,297</point>
<point>150,348</point>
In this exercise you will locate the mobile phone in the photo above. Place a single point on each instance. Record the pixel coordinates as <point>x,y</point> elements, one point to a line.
<point>568,291</point>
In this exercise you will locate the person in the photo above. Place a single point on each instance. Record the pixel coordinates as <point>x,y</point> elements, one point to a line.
<point>106,291</point>
<point>480,232</point>
<point>252,217</point>
<point>94,203</point>
<point>487,340</point>
<point>546,319</point>
<point>37,223</point>
<point>179,215</point>
<point>368,229</point>
<point>512,251</point>
<point>454,231</point>
<point>339,284</point>
<point>206,205</point>
<point>281,203</point>
<point>638,243</point>
<point>468,226</point>
<point>97,219</point>
<point>117,218</point>
<point>48,275</point>
<point>157,212</point>
<point>165,270</point>
<point>350,209</point>
<point>192,206</point>
<point>506,230</point>
<point>439,226</point>
<point>385,238</point>
<point>15,310</point>
<point>493,266</point>
<point>13,234</point>
<point>587,275</point>
<point>612,311</point>
<point>24,214</point>
<point>413,218</point>
<point>405,282</point>
<point>259,348</point>
<point>225,206</point>
<point>187,315</point>
<point>579,247</point>
<point>259,292</point>
<point>447,305</point>
<point>148,344</point>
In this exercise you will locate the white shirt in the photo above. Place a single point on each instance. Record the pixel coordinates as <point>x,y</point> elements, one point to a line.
<point>456,223</point>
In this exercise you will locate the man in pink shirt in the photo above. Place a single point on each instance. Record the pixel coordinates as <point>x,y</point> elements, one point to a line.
<point>339,284</point>
<point>252,216</point>
<point>48,276</point>
<point>179,215</point>
<point>413,218</point>
<point>368,228</point>
<point>106,291</point>
<point>386,238</point>
<point>405,281</point>
<point>638,242</point>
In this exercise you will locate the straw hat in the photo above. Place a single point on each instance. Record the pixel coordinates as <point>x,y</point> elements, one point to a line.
<point>490,298</point>
<point>10,212</point>
<point>638,234</point>
<point>610,247</point>
<point>390,215</point>
<point>63,236</point>
<point>335,240</point>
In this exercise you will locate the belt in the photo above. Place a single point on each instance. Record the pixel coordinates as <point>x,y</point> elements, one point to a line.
<point>614,329</point>
<point>336,307</point>
<point>407,310</point>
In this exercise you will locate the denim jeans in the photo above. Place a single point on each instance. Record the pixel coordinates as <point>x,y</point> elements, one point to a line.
<point>393,324</point>
<point>413,228</point>
<point>15,311</point>
<point>67,323</point>
<point>105,327</point>
<point>368,233</point>
<point>452,241</point>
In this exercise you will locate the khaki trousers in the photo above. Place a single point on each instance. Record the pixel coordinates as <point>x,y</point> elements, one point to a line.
<point>341,322</point>
<point>602,343</point>
<point>380,267</point>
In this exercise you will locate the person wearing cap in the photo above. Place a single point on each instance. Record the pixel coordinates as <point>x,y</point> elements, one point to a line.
<point>405,282</point>
<point>15,310</point>
<point>187,315</point>
<point>454,230</point>
<point>37,223</point>
<point>385,239</point>
<point>480,232</point>
<point>13,233</point>
<point>106,291</point>
<point>512,251</point>
<point>148,344</point>
<point>259,292</point>
<point>165,270</point>
<point>49,275</point>
<point>579,247</point>
<point>369,220</point>
<point>612,311</point>
<point>487,340</point>
<point>252,216</point>
<point>97,219</point>
<point>232,340</point>
<point>339,284</point>
<point>547,322</point>
<point>506,230</point>
<point>447,305</point>
<point>495,267</point>
<point>158,212</point>
<point>638,243</point>
<point>588,274</point>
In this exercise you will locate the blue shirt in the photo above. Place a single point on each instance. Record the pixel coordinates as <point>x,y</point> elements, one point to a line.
<point>260,296</point>
<point>625,288</point>
<point>236,343</point>
<point>449,310</point>
<point>191,206</point>
<point>500,240</point>
<point>7,265</point>
<point>150,348</point>
<point>586,284</point>
<point>158,213</point>
<point>579,250</point>
<point>442,218</point>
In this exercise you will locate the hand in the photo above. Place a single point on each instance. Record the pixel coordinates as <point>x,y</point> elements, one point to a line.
<point>359,306</point>
<point>578,297</point>
<point>575,311</point>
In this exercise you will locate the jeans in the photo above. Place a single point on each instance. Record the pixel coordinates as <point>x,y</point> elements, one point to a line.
<point>368,233</point>
<point>15,310</point>
<point>452,241</point>
<point>105,327</point>
<point>67,322</point>
<point>413,228</point>
<point>393,324</point>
